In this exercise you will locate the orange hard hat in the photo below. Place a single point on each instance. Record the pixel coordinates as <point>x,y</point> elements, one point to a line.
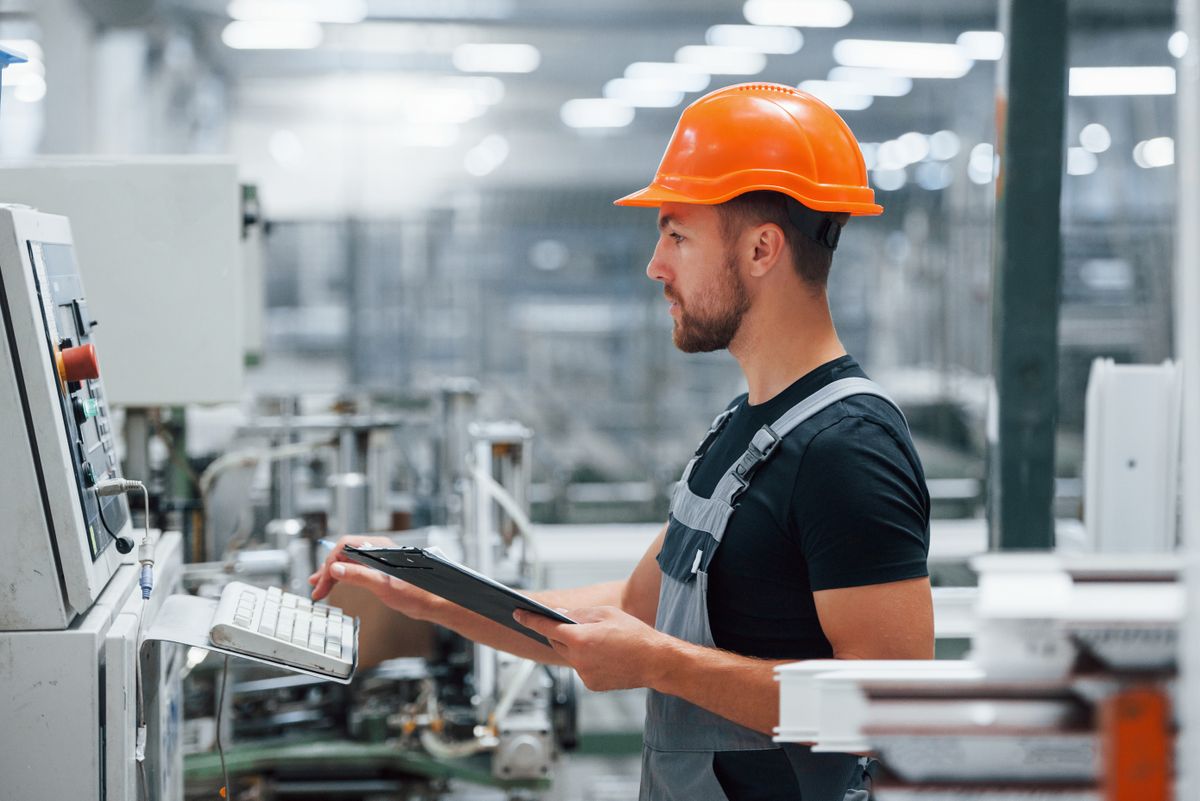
<point>756,136</point>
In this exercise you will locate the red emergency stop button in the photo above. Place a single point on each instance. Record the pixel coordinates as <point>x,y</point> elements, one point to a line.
<point>79,363</point>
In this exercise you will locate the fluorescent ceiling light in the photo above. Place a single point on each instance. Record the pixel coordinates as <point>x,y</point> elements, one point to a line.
<point>843,97</point>
<point>1177,45</point>
<point>343,11</point>
<point>722,60</point>
<point>799,13</point>
<point>934,175</point>
<point>486,156</point>
<point>879,83</point>
<point>914,59</point>
<point>943,145</point>
<point>1156,152</point>
<point>776,39</point>
<point>1095,138</point>
<point>242,35</point>
<point>982,45</point>
<point>497,57</point>
<point>889,180</point>
<point>981,166</point>
<point>642,94</point>
<point>1108,81</point>
<point>681,77</point>
<point>889,156</point>
<point>914,146</point>
<point>1080,161</point>
<point>595,112</point>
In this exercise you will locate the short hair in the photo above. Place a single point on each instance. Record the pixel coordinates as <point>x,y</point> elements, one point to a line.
<point>811,259</point>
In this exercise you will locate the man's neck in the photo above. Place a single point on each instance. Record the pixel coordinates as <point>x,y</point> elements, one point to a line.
<point>777,345</point>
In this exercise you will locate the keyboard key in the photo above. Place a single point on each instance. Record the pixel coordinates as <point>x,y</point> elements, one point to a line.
<point>289,601</point>
<point>300,634</point>
<point>334,648</point>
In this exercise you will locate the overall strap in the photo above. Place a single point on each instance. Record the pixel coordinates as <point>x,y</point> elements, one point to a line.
<point>713,432</point>
<point>767,439</point>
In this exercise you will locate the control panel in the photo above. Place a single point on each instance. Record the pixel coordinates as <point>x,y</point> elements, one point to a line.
<point>68,328</point>
<point>56,432</point>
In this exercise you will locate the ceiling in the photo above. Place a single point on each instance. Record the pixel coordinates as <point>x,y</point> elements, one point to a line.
<point>336,98</point>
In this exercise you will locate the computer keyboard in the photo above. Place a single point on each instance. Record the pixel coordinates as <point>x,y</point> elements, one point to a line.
<point>277,625</point>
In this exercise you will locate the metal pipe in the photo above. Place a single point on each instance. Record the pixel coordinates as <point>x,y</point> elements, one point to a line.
<point>1027,273</point>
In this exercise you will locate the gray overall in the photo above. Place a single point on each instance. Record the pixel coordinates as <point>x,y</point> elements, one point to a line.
<point>681,738</point>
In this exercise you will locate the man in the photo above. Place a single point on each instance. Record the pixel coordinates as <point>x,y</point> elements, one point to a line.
<point>800,528</point>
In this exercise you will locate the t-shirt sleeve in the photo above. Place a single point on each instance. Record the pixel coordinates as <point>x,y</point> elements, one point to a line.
<point>860,507</point>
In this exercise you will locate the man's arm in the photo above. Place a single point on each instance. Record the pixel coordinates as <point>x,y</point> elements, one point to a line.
<point>878,621</point>
<point>422,605</point>
<point>612,650</point>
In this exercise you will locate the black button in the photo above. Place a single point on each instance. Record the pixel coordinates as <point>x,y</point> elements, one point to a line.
<point>89,475</point>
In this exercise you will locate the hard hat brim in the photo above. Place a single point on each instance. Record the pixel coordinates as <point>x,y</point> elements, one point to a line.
<point>655,195</point>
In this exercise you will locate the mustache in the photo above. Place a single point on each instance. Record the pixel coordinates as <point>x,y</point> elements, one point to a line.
<point>669,295</point>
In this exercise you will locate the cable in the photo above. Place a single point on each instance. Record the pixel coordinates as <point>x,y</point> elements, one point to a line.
<point>117,486</point>
<point>248,458</point>
<point>509,504</point>
<point>252,456</point>
<point>224,792</point>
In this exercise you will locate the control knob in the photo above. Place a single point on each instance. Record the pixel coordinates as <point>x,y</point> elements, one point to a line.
<point>78,363</point>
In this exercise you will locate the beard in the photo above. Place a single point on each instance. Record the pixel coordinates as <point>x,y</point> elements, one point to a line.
<point>711,320</point>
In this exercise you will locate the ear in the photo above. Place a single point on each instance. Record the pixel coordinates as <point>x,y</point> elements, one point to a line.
<point>768,244</point>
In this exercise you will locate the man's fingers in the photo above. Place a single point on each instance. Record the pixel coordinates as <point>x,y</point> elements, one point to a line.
<point>360,576</point>
<point>540,623</point>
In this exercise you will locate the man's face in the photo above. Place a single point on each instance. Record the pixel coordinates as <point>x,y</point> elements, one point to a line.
<point>700,277</point>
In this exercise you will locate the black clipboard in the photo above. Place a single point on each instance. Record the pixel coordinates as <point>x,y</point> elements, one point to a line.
<point>454,582</point>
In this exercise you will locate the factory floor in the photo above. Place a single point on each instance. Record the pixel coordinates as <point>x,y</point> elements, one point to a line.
<point>607,765</point>
<point>577,777</point>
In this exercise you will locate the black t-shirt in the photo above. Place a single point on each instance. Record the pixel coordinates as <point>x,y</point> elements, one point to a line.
<point>841,503</point>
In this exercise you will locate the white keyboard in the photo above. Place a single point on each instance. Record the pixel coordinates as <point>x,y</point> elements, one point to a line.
<point>279,626</point>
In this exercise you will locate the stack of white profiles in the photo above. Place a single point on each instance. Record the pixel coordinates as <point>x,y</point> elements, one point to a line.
<point>1056,638</point>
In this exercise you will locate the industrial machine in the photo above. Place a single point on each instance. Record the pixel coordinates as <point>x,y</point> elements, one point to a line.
<point>74,684</point>
<point>89,629</point>
<point>426,705</point>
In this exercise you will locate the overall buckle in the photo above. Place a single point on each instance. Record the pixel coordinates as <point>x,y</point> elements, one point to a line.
<point>755,455</point>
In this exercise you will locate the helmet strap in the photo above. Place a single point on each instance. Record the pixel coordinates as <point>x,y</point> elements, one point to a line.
<point>819,227</point>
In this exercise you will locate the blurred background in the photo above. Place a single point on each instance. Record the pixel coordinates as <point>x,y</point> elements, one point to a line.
<point>357,269</point>
<point>438,179</point>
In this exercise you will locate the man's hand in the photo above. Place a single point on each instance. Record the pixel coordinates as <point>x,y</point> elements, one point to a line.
<point>609,649</point>
<point>399,595</point>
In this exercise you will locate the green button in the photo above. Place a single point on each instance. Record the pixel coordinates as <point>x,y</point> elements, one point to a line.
<point>91,408</point>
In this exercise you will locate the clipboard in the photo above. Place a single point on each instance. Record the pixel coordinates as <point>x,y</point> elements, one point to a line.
<point>454,582</point>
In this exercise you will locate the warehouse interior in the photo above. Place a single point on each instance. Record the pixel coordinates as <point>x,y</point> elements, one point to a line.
<point>353,268</point>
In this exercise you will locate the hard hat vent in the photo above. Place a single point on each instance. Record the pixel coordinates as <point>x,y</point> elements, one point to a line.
<point>759,88</point>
